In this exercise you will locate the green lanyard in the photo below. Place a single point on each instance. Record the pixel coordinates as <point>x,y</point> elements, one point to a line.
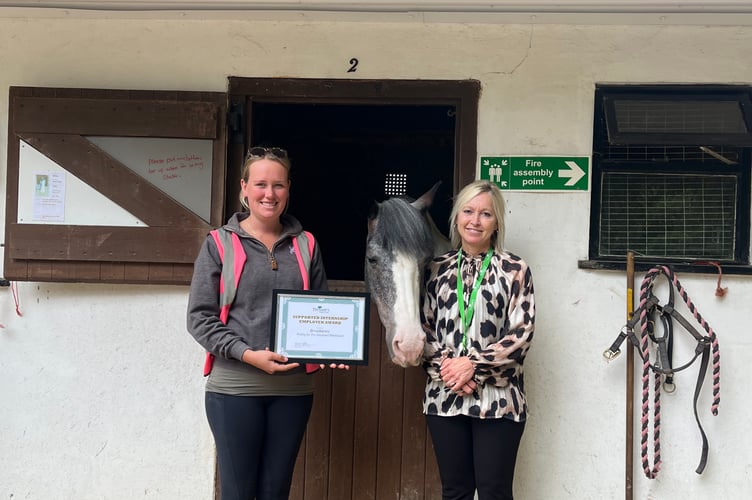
<point>468,318</point>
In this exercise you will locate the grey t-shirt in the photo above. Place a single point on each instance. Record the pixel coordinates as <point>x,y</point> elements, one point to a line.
<point>239,379</point>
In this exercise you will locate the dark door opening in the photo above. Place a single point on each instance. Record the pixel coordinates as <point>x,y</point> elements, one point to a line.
<point>346,157</point>
<point>348,139</point>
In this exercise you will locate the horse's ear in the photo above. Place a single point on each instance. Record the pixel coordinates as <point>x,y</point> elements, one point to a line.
<point>372,216</point>
<point>425,201</point>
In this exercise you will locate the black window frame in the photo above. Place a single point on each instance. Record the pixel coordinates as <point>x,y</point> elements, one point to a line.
<point>606,134</point>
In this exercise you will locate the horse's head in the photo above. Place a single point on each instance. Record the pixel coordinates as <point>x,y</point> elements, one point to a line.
<point>401,240</point>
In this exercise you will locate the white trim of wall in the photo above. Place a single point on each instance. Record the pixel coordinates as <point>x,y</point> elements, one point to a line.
<point>560,6</point>
<point>634,12</point>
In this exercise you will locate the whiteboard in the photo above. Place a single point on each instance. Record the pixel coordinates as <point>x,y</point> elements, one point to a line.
<point>48,194</point>
<point>182,168</point>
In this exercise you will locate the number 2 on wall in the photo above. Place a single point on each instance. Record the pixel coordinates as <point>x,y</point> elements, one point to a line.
<point>353,65</point>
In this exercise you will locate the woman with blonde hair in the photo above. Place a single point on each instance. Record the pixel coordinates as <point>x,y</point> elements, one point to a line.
<point>478,312</point>
<point>257,403</point>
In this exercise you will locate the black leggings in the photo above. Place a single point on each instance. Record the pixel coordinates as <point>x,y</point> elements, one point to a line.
<point>257,439</point>
<point>475,453</point>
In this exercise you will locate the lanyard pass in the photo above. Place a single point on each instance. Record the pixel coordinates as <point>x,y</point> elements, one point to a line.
<point>467,318</point>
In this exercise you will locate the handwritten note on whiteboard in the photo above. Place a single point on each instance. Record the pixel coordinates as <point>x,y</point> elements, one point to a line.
<point>174,167</point>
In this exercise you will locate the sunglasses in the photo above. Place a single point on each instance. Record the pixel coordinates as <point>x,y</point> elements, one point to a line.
<point>261,152</point>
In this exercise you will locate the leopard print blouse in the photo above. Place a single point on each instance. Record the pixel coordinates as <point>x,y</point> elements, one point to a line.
<point>498,338</point>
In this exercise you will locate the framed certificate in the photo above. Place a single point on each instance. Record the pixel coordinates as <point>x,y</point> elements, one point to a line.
<point>321,327</point>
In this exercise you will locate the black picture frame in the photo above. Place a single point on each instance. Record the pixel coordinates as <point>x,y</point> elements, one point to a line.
<point>321,327</point>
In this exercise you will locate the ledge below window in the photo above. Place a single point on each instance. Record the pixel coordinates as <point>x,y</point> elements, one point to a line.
<point>641,265</point>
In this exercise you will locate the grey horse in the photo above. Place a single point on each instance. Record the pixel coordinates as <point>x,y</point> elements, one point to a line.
<point>402,238</point>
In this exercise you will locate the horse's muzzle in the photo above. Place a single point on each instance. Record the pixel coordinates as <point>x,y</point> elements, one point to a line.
<point>410,353</point>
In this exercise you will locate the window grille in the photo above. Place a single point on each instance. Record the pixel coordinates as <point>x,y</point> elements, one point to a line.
<point>659,215</point>
<point>395,185</point>
<point>679,117</point>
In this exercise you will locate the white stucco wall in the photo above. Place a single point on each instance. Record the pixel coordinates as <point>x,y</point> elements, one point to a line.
<point>100,390</point>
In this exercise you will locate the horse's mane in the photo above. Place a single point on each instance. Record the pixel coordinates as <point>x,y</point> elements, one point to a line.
<point>402,227</point>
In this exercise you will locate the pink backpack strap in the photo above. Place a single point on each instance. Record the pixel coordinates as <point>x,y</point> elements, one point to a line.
<point>229,248</point>
<point>304,257</point>
<point>304,263</point>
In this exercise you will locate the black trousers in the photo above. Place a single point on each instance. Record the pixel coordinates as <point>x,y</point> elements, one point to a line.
<point>257,439</point>
<point>474,453</point>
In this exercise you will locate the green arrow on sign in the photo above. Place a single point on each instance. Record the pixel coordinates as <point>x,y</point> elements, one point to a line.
<point>537,173</point>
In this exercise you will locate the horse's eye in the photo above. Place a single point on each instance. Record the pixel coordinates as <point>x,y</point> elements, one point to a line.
<point>372,260</point>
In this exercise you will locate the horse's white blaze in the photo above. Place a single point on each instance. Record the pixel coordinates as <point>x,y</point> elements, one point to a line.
<point>408,336</point>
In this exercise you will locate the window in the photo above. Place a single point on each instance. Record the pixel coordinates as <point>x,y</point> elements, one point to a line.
<point>113,186</point>
<point>671,176</point>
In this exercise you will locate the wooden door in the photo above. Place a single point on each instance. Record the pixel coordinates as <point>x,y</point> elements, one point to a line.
<point>367,437</point>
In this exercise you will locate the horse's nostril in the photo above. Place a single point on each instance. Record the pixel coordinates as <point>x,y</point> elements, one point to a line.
<point>407,356</point>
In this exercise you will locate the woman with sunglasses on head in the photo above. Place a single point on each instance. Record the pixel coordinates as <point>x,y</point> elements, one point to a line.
<point>479,316</point>
<point>257,403</point>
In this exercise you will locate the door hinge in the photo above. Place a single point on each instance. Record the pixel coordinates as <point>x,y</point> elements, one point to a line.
<point>236,123</point>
